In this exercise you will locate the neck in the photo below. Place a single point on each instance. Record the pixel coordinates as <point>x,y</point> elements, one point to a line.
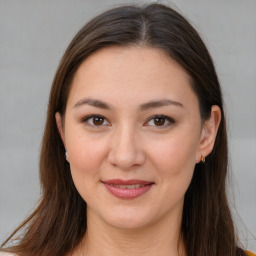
<point>162,238</point>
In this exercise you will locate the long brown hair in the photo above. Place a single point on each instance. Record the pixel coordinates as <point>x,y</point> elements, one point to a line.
<point>58,224</point>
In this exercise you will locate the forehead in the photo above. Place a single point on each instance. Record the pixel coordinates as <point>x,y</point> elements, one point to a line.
<point>127,74</point>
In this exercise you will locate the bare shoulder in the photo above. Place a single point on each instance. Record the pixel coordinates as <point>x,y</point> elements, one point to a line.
<point>7,254</point>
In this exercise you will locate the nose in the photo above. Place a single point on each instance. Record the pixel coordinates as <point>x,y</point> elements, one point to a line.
<point>126,150</point>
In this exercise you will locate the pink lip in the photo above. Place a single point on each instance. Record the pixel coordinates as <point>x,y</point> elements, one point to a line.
<point>127,193</point>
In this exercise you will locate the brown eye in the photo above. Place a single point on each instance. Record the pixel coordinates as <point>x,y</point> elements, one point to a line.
<point>98,120</point>
<point>159,121</point>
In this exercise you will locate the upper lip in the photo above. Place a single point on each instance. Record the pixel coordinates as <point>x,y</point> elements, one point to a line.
<point>127,182</point>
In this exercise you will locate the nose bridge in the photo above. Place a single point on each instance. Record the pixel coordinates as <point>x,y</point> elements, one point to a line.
<point>126,150</point>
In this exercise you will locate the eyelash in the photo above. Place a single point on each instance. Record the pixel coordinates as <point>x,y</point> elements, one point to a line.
<point>87,118</point>
<point>166,118</point>
<point>153,118</point>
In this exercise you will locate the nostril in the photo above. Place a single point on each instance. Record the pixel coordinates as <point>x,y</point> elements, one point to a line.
<point>126,158</point>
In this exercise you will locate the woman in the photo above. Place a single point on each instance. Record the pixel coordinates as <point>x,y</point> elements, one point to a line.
<point>136,109</point>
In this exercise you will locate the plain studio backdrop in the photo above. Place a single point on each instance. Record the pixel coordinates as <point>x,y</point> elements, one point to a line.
<point>33,37</point>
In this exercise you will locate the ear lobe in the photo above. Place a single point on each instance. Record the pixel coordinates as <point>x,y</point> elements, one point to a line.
<point>209,132</point>
<point>58,119</point>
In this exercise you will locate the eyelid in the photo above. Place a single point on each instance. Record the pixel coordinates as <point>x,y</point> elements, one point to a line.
<point>169,119</point>
<point>86,118</point>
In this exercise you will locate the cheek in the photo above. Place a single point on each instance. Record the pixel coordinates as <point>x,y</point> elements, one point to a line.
<point>84,151</point>
<point>86,155</point>
<point>174,151</point>
<point>85,158</point>
<point>175,168</point>
<point>174,158</point>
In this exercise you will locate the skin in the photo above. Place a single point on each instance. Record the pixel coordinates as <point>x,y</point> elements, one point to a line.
<point>129,143</point>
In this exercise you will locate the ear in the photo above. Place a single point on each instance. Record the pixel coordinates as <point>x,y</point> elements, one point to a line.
<point>208,133</point>
<point>58,119</point>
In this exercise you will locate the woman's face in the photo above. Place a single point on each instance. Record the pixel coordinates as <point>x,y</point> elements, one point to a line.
<point>133,134</point>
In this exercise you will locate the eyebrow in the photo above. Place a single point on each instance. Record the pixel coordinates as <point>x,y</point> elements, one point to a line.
<point>143,107</point>
<point>93,103</point>
<point>160,103</point>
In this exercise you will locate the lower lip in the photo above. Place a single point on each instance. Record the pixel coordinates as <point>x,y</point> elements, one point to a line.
<point>127,193</point>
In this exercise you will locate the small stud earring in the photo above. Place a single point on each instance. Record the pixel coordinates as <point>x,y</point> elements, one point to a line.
<point>66,155</point>
<point>202,159</point>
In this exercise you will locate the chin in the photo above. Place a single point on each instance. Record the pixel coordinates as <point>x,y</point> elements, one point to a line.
<point>129,219</point>
<point>127,223</point>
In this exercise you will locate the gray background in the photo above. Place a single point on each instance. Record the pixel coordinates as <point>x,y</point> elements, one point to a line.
<point>33,36</point>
